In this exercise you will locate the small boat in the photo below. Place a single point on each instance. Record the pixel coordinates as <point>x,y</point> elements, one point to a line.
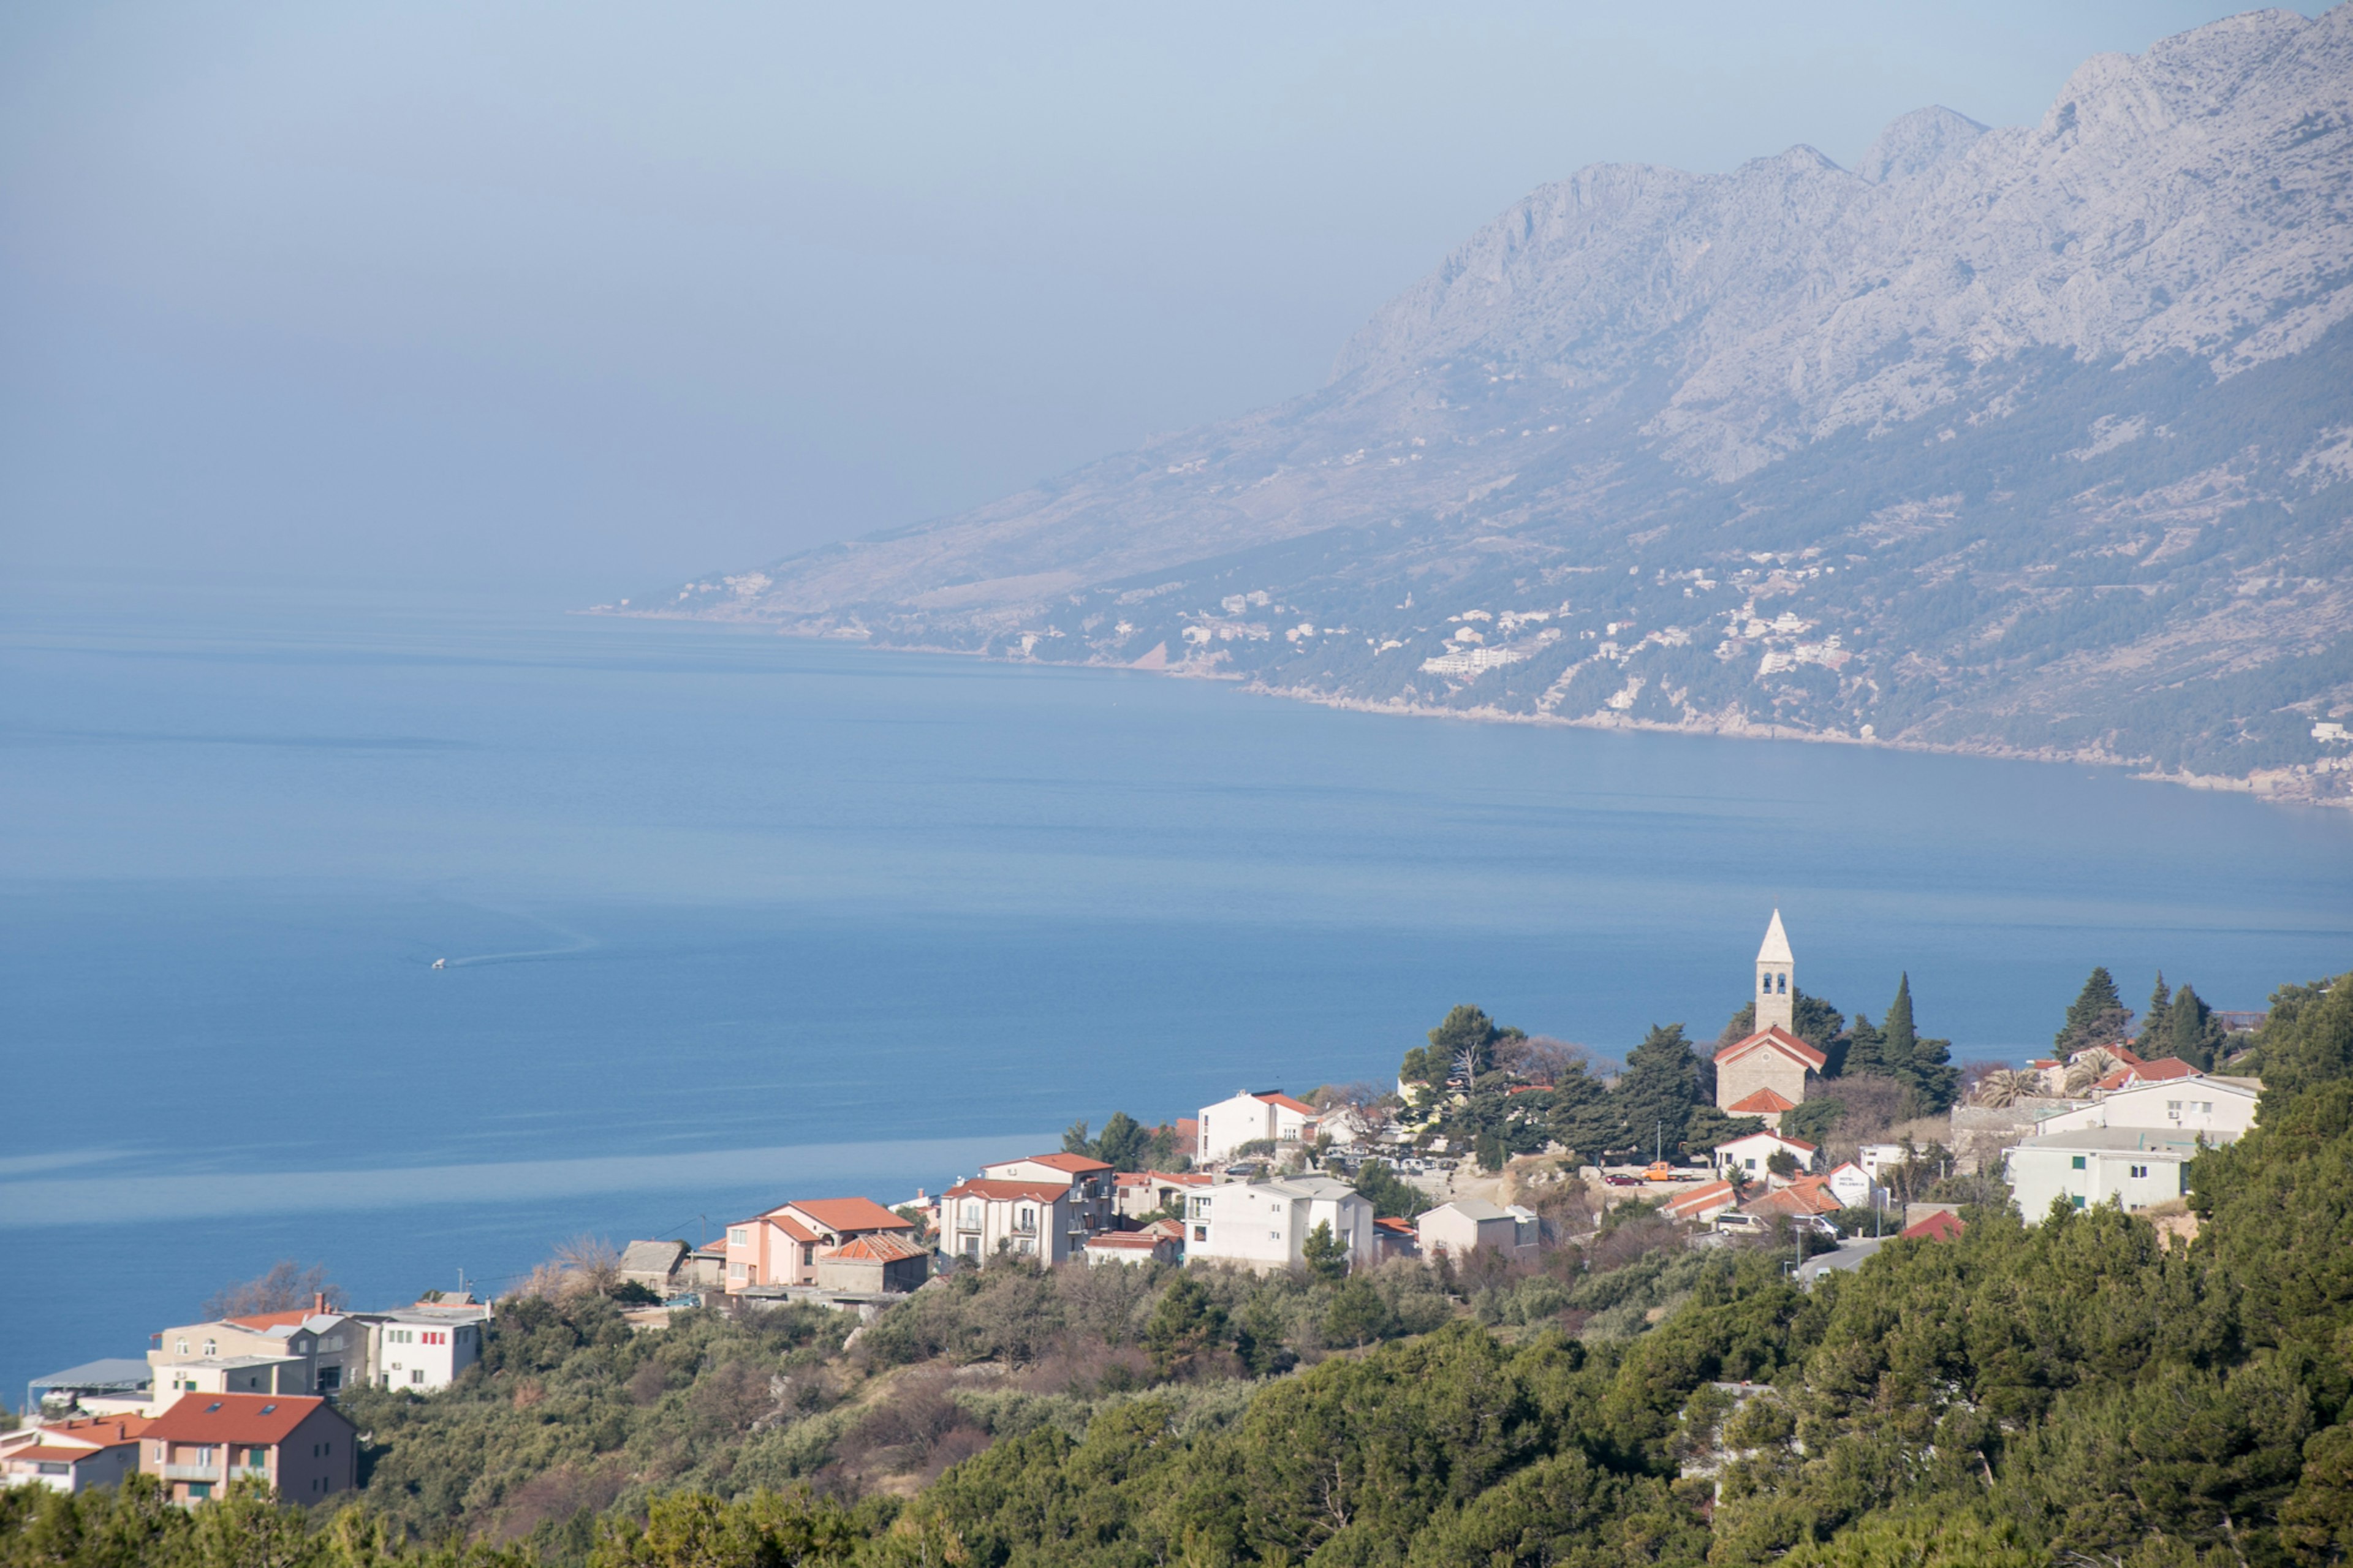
<point>440,963</point>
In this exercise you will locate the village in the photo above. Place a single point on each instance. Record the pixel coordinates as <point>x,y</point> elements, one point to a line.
<point>1342,1181</point>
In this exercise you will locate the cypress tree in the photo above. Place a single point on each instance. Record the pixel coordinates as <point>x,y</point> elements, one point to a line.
<point>2186,1031</point>
<point>1652,1099</point>
<point>2152,1022</point>
<point>1896,1036</point>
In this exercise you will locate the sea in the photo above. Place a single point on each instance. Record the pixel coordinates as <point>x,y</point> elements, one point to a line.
<point>414,938</point>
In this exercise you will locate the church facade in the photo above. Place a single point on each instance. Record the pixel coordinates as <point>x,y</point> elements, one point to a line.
<point>1765,1073</point>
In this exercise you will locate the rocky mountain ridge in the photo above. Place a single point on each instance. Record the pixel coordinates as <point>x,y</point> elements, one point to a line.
<point>2036,439</point>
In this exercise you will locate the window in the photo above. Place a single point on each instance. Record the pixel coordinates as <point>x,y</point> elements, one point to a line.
<point>972,1247</point>
<point>2076,1163</point>
<point>212,1347</point>
<point>1025,1246</point>
<point>257,1458</point>
<point>2173,1108</point>
<point>199,1490</point>
<point>2079,1200</point>
<point>1200,1232</point>
<point>808,1254</point>
<point>1201,1208</point>
<point>205,1456</point>
<point>2140,1173</point>
<point>48,1469</point>
<point>416,1377</point>
<point>971,1216</point>
<point>739,1235</point>
<point>1025,1220</point>
<point>183,1346</point>
<point>734,1271</point>
<point>1785,985</point>
<point>2206,1107</point>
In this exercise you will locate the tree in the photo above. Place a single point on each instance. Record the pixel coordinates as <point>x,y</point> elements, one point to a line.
<point>1813,1121</point>
<point>2191,1032</point>
<point>1654,1097</point>
<point>1866,1051</point>
<point>1465,1038</point>
<point>1782,1163</point>
<point>1582,1118</point>
<point>1709,1127</point>
<point>287,1286</point>
<point>2096,1017</point>
<point>2004,1086</point>
<point>1357,1315</point>
<point>1325,1254</point>
<point>1125,1146</point>
<point>1076,1141</point>
<point>2153,1021</point>
<point>1184,1326</point>
<point>1924,1065</point>
<point>2089,1067</point>
<point>1391,1195</point>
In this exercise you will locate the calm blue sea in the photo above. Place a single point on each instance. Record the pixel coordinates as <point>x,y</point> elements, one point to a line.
<point>731,918</point>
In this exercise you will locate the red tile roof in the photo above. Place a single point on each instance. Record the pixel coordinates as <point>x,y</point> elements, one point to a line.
<point>876,1246</point>
<point>264,1418</point>
<point>1401,1226</point>
<point>1125,1240</point>
<point>260,1320</point>
<point>1807,1194</point>
<point>1763,1102</point>
<point>1077,1164</point>
<point>1942,1225</point>
<point>1001,1192</point>
<point>1768,1133</point>
<point>101,1429</point>
<point>2163,1068</point>
<point>792,1228</point>
<point>846,1214</point>
<point>1776,1038</point>
<point>1276,1097</point>
<point>1700,1200</point>
<point>42,1451</point>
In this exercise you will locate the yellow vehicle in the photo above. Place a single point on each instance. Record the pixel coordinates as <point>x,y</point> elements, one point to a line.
<point>1663,1172</point>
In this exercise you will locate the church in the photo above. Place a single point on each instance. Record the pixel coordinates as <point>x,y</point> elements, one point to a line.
<point>1765,1074</point>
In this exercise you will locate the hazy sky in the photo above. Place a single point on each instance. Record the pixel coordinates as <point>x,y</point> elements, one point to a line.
<point>575,299</point>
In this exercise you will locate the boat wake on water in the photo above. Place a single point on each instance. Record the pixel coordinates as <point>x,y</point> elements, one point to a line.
<point>575,941</point>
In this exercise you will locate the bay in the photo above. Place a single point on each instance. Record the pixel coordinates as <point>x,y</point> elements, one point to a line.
<point>728,917</point>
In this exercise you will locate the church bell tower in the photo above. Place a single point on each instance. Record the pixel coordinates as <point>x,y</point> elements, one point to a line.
<point>1776,1001</point>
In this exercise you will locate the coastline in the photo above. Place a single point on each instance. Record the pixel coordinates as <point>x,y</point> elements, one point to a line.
<point>2278,786</point>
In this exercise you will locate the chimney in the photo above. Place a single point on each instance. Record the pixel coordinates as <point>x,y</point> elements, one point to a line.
<point>318,1303</point>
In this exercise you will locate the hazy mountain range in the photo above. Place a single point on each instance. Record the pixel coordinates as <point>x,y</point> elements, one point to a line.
<point>2035,439</point>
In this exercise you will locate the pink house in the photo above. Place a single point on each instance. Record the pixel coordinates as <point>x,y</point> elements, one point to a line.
<point>785,1245</point>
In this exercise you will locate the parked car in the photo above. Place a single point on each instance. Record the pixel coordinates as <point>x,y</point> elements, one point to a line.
<point>1615,1180</point>
<point>1742,1224</point>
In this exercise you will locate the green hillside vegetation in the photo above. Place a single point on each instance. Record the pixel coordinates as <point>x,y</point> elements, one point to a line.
<point>2069,1391</point>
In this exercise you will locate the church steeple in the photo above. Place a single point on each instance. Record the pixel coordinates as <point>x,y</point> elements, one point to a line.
<point>1776,988</point>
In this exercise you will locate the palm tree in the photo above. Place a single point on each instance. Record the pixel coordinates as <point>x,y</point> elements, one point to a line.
<point>2007,1087</point>
<point>2089,1067</point>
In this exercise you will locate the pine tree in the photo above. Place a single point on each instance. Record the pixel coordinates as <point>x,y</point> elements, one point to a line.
<point>1865,1050</point>
<point>2096,1018</point>
<point>1652,1099</point>
<point>2152,1022</point>
<point>2186,1028</point>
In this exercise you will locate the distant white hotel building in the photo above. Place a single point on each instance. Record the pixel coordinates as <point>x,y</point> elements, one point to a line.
<point>1264,1225</point>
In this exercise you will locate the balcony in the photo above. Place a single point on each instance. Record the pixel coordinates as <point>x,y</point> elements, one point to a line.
<point>212,1472</point>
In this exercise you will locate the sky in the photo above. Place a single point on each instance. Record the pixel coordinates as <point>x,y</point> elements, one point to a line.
<point>565,301</point>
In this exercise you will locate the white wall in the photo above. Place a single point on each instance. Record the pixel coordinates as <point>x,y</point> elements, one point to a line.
<point>1264,1225</point>
<point>2038,1175</point>
<point>2184,1105</point>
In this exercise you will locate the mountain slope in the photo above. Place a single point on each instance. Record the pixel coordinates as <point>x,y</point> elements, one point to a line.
<point>2035,439</point>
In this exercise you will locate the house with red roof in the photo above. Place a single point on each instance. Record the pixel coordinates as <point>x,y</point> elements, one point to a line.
<point>1937,1224</point>
<point>1807,1197</point>
<point>1094,1195</point>
<point>1254,1116</point>
<point>1752,1156</point>
<point>1702,1204</point>
<point>72,1456</point>
<point>783,1245</point>
<point>1139,1192</point>
<point>301,1446</point>
<point>1132,1247</point>
<point>986,1216</point>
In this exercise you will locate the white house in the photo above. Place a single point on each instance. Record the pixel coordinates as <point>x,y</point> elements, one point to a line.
<point>983,1216</point>
<point>1854,1188</point>
<point>1252,1116</point>
<point>1132,1247</point>
<point>1459,1226</point>
<point>1751,1156</point>
<point>2223,1109</point>
<point>72,1456</point>
<point>424,1347</point>
<point>2090,1167</point>
<point>1094,1199</point>
<point>1264,1225</point>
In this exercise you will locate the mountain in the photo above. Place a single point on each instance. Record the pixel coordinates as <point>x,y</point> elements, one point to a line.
<point>2035,440</point>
